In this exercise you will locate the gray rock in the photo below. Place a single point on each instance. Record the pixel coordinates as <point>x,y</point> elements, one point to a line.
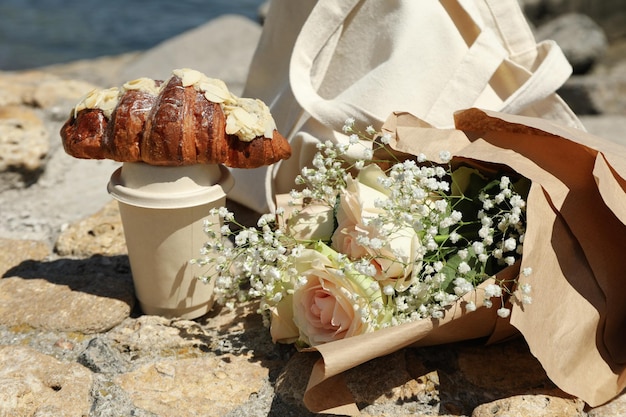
<point>610,14</point>
<point>100,357</point>
<point>598,93</point>
<point>109,400</point>
<point>582,40</point>
<point>222,48</point>
<point>611,127</point>
<point>263,10</point>
<point>34,384</point>
<point>533,9</point>
<point>580,93</point>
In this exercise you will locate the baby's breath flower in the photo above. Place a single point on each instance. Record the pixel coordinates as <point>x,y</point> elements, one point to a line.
<point>493,290</point>
<point>464,268</point>
<point>509,260</point>
<point>348,124</point>
<point>510,244</point>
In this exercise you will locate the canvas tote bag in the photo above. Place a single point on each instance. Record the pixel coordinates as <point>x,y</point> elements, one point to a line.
<point>320,62</point>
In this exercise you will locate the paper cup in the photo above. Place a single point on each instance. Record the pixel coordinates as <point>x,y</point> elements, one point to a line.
<point>163,211</point>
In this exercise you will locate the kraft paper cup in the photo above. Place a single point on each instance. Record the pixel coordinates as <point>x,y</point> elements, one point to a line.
<point>163,211</point>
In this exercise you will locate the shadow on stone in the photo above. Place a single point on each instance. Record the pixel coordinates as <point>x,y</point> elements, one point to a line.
<point>102,276</point>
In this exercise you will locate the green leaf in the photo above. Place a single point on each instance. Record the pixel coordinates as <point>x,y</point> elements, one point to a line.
<point>466,180</point>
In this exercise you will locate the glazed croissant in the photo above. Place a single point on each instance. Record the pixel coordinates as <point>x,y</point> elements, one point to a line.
<point>188,119</point>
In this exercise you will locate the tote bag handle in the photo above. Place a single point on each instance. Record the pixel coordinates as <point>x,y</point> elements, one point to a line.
<point>532,72</point>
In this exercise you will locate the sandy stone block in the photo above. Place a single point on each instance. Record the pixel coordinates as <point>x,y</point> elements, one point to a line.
<point>52,92</point>
<point>86,304</point>
<point>156,336</point>
<point>102,233</point>
<point>13,89</point>
<point>531,406</point>
<point>208,386</point>
<point>13,252</point>
<point>513,359</point>
<point>23,139</point>
<point>34,384</point>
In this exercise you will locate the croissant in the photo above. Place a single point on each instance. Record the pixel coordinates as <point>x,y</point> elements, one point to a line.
<point>188,119</point>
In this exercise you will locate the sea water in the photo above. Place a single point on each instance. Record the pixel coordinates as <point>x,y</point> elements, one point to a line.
<point>35,33</point>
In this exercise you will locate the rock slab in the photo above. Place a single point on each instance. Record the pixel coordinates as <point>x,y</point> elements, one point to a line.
<point>87,296</point>
<point>34,384</point>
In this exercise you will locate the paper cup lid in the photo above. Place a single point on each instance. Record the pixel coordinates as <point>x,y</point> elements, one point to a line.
<point>149,186</point>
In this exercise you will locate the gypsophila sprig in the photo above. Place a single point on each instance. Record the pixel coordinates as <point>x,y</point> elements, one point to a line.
<point>364,245</point>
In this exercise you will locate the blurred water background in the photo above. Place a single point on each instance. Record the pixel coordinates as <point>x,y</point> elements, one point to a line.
<point>36,33</point>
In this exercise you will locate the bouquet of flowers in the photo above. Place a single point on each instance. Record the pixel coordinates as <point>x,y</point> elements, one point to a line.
<point>430,236</point>
<point>370,243</point>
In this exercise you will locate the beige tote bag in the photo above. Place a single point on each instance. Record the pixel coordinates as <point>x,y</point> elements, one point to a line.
<point>321,62</point>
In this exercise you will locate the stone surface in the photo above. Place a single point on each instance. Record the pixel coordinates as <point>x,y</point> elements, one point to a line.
<point>208,386</point>
<point>599,93</point>
<point>40,88</point>
<point>531,405</point>
<point>13,252</point>
<point>24,145</point>
<point>156,337</point>
<point>18,88</point>
<point>101,233</point>
<point>88,296</point>
<point>34,384</point>
<point>513,358</point>
<point>54,92</point>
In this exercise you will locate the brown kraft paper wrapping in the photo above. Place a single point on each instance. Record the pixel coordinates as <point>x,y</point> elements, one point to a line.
<point>575,243</point>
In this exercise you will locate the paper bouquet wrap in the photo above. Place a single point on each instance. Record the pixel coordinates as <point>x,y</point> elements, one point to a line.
<point>575,243</point>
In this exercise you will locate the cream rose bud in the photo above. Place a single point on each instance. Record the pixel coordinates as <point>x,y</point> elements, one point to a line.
<point>399,258</point>
<point>312,222</point>
<point>359,202</point>
<point>356,203</point>
<point>330,304</point>
<point>282,327</point>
